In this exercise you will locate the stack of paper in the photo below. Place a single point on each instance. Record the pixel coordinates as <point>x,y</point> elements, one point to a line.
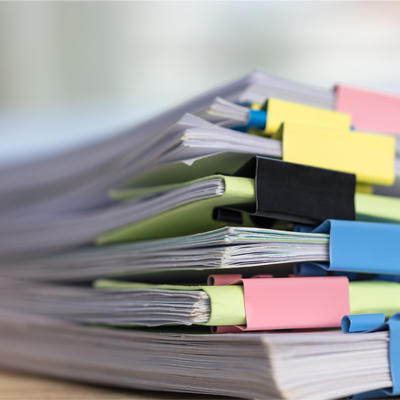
<point>230,247</point>
<point>236,245</point>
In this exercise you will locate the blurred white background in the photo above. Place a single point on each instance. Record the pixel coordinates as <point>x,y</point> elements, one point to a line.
<point>74,72</point>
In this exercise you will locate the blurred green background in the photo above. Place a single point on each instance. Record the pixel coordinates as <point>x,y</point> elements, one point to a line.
<point>75,72</point>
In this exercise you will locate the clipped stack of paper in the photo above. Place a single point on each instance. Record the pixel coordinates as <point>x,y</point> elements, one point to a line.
<point>187,253</point>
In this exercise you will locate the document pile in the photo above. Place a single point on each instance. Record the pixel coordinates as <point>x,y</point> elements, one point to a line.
<point>238,245</point>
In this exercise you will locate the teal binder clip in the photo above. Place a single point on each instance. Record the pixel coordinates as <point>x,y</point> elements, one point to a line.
<point>374,323</point>
<point>366,247</point>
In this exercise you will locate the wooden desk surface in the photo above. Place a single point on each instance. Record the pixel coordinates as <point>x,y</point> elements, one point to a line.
<point>19,386</point>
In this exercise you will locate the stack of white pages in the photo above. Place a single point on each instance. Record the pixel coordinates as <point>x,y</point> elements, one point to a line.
<point>139,307</point>
<point>80,179</point>
<point>105,252</point>
<point>314,365</point>
<point>230,247</point>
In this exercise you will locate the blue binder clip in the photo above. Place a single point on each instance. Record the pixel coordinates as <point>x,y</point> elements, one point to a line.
<point>374,323</point>
<point>258,119</point>
<point>361,247</point>
<point>308,269</point>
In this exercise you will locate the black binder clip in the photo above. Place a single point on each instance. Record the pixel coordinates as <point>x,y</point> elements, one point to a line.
<point>300,193</point>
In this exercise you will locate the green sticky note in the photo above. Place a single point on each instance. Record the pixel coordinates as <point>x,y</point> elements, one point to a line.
<point>194,217</point>
<point>370,297</point>
<point>374,208</point>
<point>227,302</point>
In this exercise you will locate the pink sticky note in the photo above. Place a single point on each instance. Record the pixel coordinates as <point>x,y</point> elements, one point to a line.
<point>370,110</point>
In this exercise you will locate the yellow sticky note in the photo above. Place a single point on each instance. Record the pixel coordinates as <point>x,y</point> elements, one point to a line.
<point>370,157</point>
<point>279,111</point>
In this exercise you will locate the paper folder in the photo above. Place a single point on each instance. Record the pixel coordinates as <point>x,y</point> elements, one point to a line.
<point>375,208</point>
<point>227,302</point>
<point>190,218</point>
<point>267,188</point>
<point>279,111</point>
<point>365,247</point>
<point>374,296</point>
<point>370,110</point>
<point>267,303</point>
<point>370,157</point>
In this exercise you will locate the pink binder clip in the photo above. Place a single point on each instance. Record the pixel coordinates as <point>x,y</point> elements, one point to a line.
<point>222,280</point>
<point>291,303</point>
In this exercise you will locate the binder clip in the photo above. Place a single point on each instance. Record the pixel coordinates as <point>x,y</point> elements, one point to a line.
<point>288,303</point>
<point>299,193</point>
<point>258,119</point>
<point>370,110</point>
<point>368,323</point>
<point>280,111</point>
<point>369,156</point>
<point>354,246</point>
